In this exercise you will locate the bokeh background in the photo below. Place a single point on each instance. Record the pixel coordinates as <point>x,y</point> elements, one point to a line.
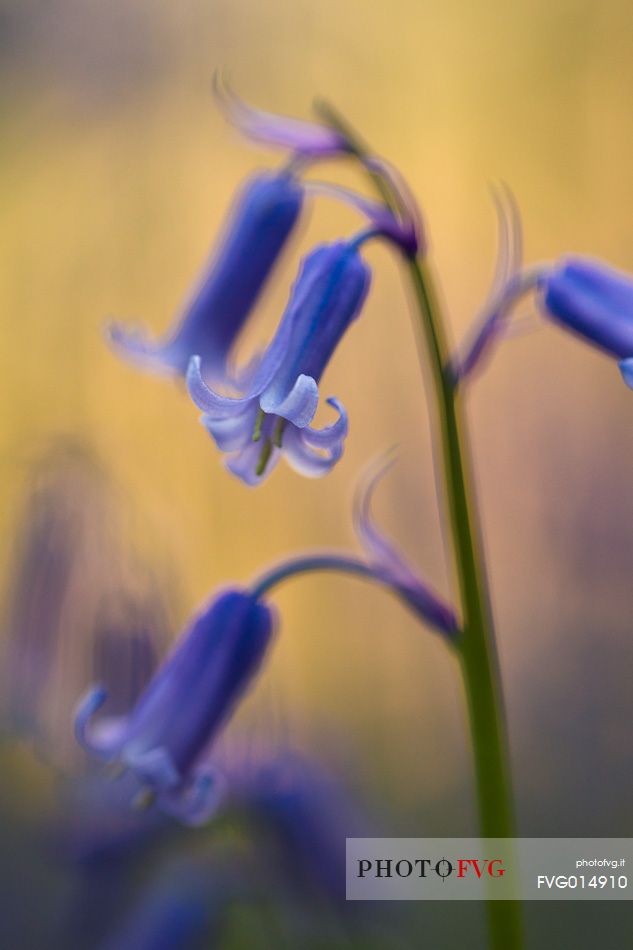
<point>116,171</point>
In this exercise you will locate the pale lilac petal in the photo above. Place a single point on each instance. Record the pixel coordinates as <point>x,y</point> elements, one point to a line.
<point>210,401</point>
<point>493,323</point>
<point>329,436</point>
<point>509,241</point>
<point>215,404</point>
<point>244,464</point>
<point>134,345</point>
<point>492,320</point>
<point>153,766</point>
<point>232,432</point>
<point>376,546</point>
<point>391,567</point>
<point>377,213</point>
<point>404,197</point>
<point>298,406</point>
<point>304,459</point>
<point>306,138</point>
<point>103,738</point>
<point>199,800</point>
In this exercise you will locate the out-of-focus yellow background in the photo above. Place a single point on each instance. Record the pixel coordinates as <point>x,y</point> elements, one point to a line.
<point>116,169</point>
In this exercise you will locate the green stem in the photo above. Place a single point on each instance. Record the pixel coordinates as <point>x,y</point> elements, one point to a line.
<point>476,646</point>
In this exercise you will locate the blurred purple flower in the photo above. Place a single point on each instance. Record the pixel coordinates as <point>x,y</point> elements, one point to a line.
<point>178,910</point>
<point>306,816</point>
<point>261,223</point>
<point>45,557</point>
<point>75,601</point>
<point>102,844</point>
<point>97,827</point>
<point>390,567</point>
<point>165,736</point>
<point>273,417</point>
<point>596,302</point>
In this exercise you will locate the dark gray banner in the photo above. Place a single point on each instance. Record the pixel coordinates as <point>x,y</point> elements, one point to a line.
<point>454,869</point>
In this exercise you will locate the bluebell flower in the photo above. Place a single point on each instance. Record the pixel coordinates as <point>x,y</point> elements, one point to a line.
<point>273,416</point>
<point>391,568</point>
<point>164,738</point>
<point>596,302</point>
<point>261,223</point>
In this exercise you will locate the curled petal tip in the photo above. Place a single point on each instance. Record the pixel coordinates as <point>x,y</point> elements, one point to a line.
<point>305,138</point>
<point>390,567</point>
<point>298,406</point>
<point>383,221</point>
<point>310,459</point>
<point>86,708</point>
<point>155,767</point>
<point>509,238</point>
<point>314,452</point>
<point>409,215</point>
<point>206,399</point>
<point>133,344</point>
<point>195,804</point>
<point>198,389</point>
<point>333,434</point>
<point>365,528</point>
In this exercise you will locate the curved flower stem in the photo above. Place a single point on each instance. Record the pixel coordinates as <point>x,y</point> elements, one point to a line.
<point>476,647</point>
<point>345,564</point>
<point>304,564</point>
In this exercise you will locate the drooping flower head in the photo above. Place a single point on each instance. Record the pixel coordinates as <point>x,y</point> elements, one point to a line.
<point>165,736</point>
<point>595,302</point>
<point>262,220</point>
<point>273,417</point>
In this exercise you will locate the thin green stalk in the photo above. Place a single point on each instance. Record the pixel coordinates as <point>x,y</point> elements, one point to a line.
<point>476,646</point>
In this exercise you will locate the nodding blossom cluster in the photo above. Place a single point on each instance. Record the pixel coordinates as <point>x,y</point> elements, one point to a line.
<point>267,410</point>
